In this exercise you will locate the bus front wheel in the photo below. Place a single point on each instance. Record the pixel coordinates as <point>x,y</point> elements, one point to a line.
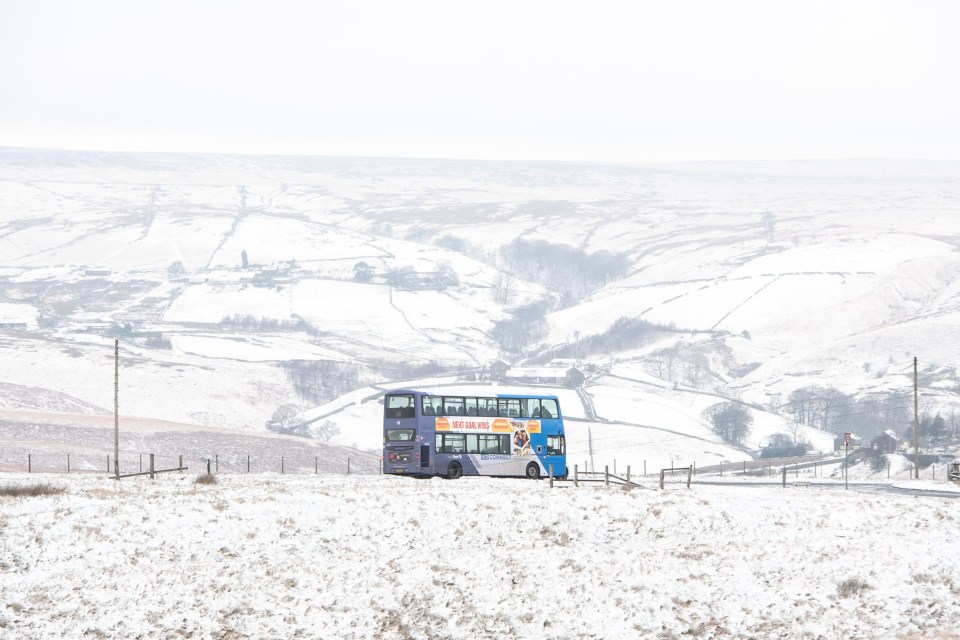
<point>454,471</point>
<point>533,471</point>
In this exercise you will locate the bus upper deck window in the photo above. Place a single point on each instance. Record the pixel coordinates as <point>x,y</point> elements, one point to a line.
<point>548,408</point>
<point>399,406</point>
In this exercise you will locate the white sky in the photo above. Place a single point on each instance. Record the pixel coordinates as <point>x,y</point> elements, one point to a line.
<point>590,80</point>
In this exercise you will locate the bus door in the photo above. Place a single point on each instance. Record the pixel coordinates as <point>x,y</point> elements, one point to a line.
<point>424,455</point>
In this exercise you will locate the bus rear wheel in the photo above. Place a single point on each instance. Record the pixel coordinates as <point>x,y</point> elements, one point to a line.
<point>533,471</point>
<point>454,471</point>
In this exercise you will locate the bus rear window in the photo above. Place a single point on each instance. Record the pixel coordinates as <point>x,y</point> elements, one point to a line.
<point>399,435</point>
<point>399,406</point>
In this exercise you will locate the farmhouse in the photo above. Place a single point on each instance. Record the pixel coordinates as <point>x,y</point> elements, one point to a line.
<point>886,442</point>
<point>566,376</point>
<point>498,370</point>
<point>855,443</point>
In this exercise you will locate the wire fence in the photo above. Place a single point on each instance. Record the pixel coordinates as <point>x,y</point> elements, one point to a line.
<point>293,462</point>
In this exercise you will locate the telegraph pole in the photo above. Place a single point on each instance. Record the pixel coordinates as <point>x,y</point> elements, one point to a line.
<point>116,409</point>
<point>916,422</point>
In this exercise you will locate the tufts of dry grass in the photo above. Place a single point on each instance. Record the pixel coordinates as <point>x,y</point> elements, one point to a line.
<point>852,587</point>
<point>31,490</point>
<point>206,478</point>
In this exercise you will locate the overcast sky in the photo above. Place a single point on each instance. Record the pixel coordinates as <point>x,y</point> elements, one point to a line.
<point>601,80</point>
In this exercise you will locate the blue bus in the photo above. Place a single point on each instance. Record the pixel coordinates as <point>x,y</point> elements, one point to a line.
<point>453,434</point>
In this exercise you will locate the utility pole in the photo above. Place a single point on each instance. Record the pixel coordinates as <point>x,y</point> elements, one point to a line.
<point>589,446</point>
<point>116,409</point>
<point>916,422</point>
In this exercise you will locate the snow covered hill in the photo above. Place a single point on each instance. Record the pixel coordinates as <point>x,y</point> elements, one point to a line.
<point>238,285</point>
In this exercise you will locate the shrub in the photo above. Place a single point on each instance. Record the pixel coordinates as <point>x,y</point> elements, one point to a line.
<point>879,462</point>
<point>782,446</point>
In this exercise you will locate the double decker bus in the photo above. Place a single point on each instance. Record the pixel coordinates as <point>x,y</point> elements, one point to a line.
<point>454,434</point>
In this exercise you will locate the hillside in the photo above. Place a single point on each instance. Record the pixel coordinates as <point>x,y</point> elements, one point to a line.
<point>238,285</point>
<point>360,557</point>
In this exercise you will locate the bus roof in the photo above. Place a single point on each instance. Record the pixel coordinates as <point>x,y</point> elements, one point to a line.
<point>478,391</point>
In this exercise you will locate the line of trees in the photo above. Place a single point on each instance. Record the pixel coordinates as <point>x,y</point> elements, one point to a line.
<point>624,334</point>
<point>288,419</point>
<point>829,409</point>
<point>247,322</point>
<point>571,272</point>
<point>319,381</point>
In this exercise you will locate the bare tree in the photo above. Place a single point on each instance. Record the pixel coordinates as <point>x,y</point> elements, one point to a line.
<point>286,419</point>
<point>503,289</point>
<point>326,430</point>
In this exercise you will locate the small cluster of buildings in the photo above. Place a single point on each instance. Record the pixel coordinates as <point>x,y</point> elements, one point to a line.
<point>886,442</point>
<point>561,373</point>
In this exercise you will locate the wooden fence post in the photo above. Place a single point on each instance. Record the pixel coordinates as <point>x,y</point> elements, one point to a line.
<point>281,465</point>
<point>784,476</point>
<point>662,471</point>
<point>606,475</point>
<point>550,470</point>
<point>628,477</point>
<point>576,476</point>
<point>29,464</point>
<point>644,467</point>
<point>248,463</point>
<point>216,459</point>
<point>179,464</point>
<point>316,465</point>
<point>151,466</point>
<point>108,464</point>
<point>689,476</point>
<point>141,464</point>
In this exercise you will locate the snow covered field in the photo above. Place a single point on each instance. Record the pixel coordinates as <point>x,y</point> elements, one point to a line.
<point>269,556</point>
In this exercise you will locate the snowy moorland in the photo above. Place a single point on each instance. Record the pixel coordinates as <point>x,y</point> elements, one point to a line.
<point>239,286</point>
<point>270,556</point>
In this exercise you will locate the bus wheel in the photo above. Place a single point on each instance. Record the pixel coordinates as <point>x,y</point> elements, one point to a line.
<point>533,471</point>
<point>454,471</point>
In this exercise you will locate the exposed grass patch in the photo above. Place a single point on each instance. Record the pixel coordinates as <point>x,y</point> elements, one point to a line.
<point>206,478</point>
<point>31,490</point>
<point>852,587</point>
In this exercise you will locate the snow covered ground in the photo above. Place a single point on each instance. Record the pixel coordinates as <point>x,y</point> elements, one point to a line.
<point>777,275</point>
<point>270,556</point>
